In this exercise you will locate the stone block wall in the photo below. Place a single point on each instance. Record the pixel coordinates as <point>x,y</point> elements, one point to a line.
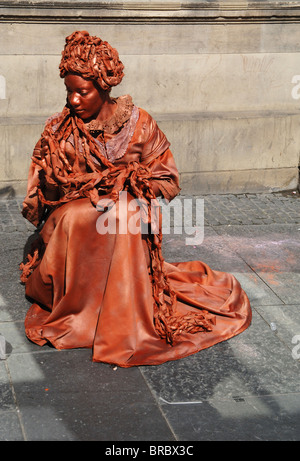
<point>222,80</point>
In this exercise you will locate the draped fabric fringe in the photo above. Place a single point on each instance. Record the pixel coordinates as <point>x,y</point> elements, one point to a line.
<point>59,174</point>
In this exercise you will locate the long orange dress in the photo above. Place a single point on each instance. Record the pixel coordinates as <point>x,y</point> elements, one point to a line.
<point>108,291</point>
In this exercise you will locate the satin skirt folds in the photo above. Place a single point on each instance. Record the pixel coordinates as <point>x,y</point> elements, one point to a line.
<point>92,289</point>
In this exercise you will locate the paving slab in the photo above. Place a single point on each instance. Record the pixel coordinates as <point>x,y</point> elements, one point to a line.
<point>10,428</point>
<point>246,388</point>
<point>65,396</point>
<point>272,252</point>
<point>263,418</point>
<point>285,322</point>
<point>13,304</point>
<point>213,250</point>
<point>7,399</point>
<point>217,252</point>
<point>252,363</point>
<point>272,248</point>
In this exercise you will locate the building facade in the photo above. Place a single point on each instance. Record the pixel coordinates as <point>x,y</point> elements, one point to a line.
<point>222,79</point>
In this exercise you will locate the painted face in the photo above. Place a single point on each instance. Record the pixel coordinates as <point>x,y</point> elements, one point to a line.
<point>84,97</point>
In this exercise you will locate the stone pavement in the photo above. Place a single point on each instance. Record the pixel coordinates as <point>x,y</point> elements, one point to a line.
<point>244,389</point>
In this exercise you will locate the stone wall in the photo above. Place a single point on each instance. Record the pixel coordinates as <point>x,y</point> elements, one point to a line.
<point>221,79</point>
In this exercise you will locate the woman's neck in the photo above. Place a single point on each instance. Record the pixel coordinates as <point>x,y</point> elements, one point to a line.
<point>107,110</point>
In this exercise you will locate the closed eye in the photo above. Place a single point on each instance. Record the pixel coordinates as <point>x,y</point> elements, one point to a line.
<point>81,93</point>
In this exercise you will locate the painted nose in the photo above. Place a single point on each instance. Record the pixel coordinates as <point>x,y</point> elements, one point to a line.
<point>74,100</point>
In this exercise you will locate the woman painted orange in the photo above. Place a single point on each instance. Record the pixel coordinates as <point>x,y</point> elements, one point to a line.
<point>112,291</point>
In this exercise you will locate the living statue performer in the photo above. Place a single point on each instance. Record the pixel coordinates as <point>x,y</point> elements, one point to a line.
<point>112,291</point>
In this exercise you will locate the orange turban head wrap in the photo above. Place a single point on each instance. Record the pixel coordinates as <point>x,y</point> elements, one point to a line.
<point>91,58</point>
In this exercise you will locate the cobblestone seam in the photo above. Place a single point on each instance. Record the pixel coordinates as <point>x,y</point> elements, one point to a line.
<point>219,210</point>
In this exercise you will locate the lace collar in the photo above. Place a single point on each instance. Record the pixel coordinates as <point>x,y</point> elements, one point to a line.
<point>116,147</point>
<point>121,115</point>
